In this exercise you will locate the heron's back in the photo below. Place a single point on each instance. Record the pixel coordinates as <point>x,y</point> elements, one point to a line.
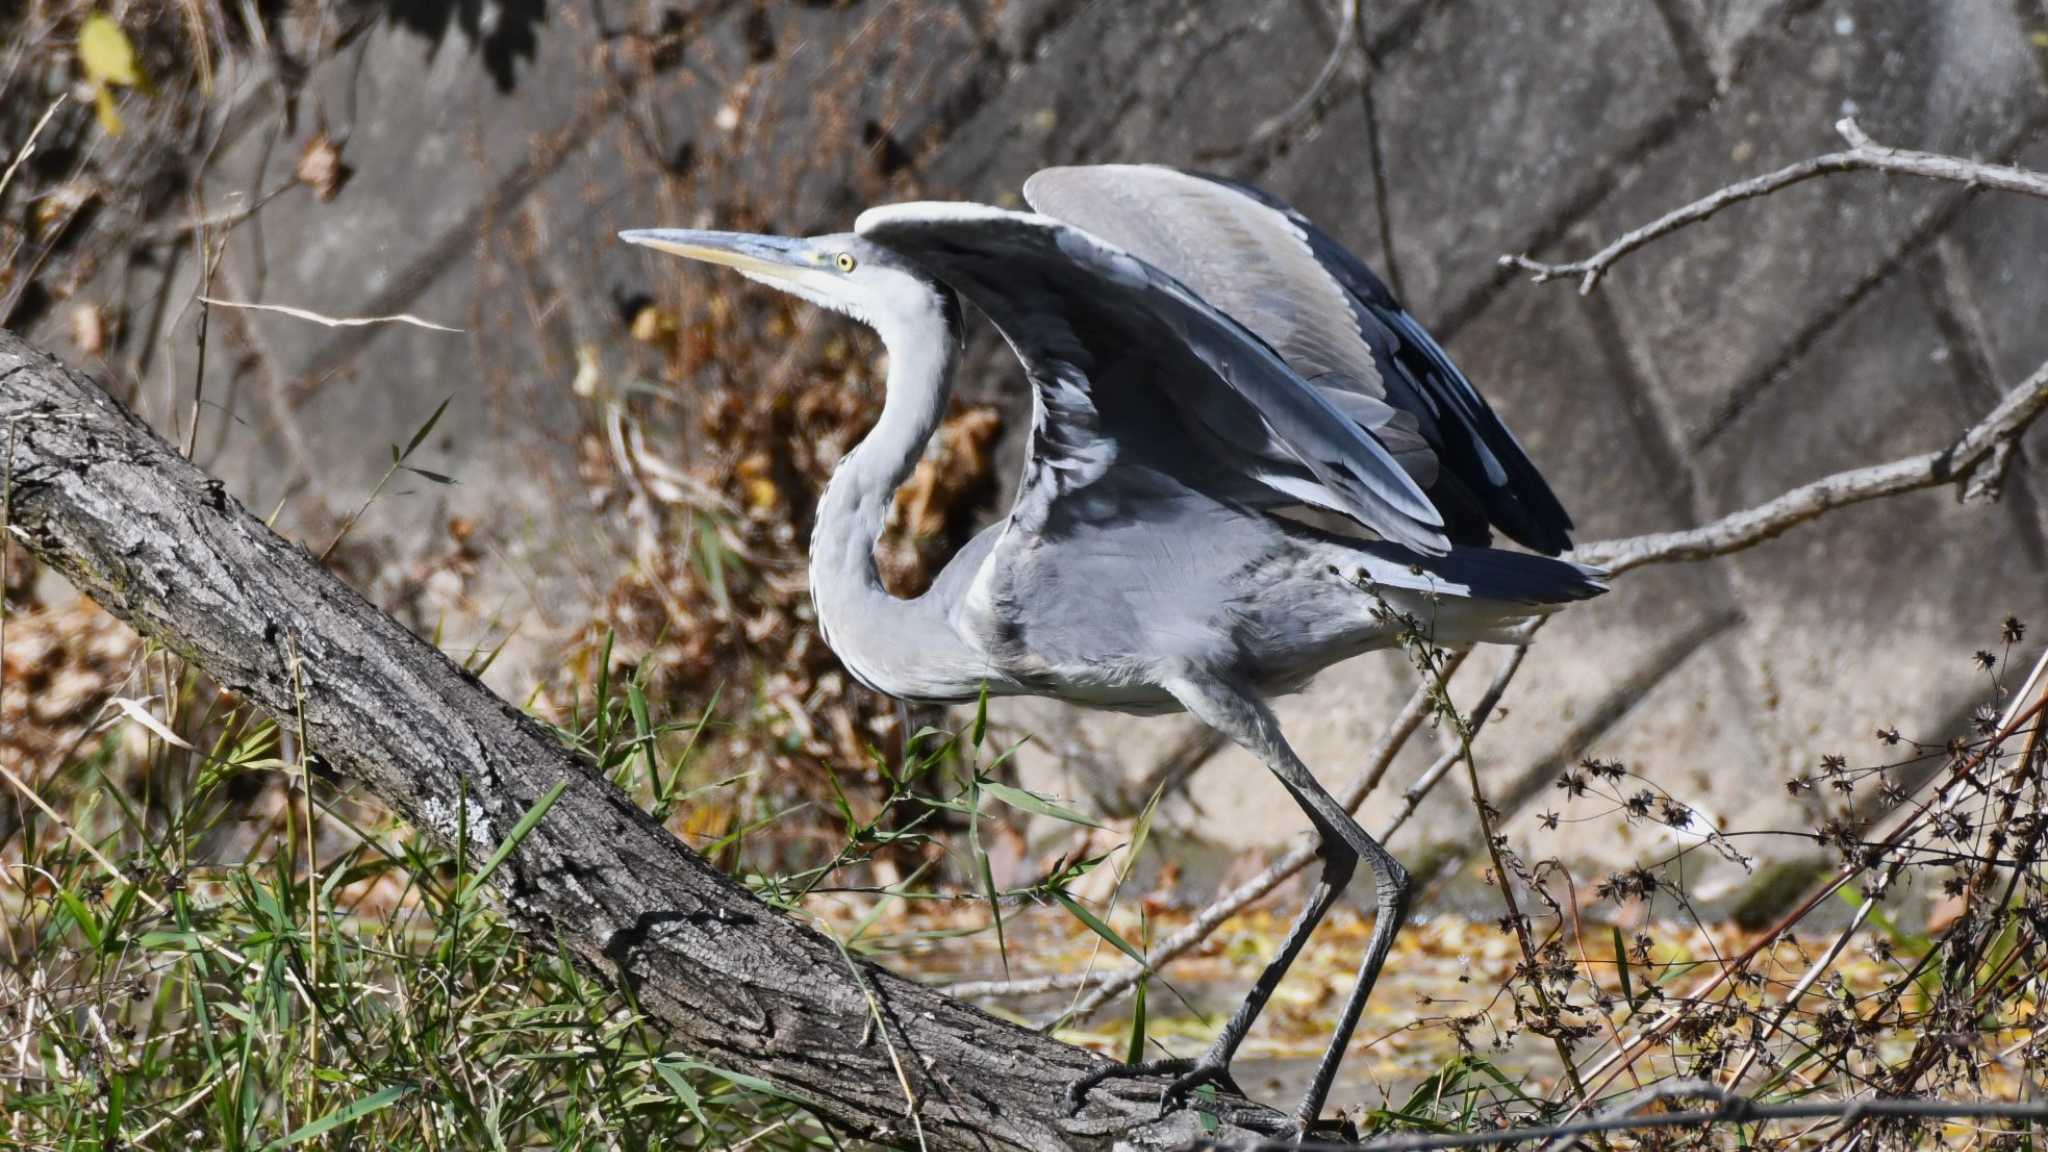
<point>1148,575</point>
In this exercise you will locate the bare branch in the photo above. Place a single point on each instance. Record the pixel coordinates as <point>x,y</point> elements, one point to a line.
<point>1958,462</point>
<point>1449,757</point>
<point>331,321</point>
<point>1728,1109</point>
<point>1863,155</point>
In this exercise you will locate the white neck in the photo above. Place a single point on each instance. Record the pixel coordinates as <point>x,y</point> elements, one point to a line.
<point>904,648</point>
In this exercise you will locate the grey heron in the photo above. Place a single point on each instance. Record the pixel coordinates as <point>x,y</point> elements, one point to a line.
<point>1243,452</point>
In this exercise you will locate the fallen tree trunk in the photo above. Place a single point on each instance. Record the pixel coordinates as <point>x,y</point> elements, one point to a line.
<point>99,496</point>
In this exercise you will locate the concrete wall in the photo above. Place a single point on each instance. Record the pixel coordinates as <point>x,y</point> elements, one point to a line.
<point>1838,323</point>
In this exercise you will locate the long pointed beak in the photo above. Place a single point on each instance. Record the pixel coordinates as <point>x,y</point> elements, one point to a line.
<point>771,256</point>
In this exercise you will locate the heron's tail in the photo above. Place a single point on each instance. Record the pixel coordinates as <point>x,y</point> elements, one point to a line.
<point>1484,575</point>
<point>1480,595</point>
<point>1517,577</point>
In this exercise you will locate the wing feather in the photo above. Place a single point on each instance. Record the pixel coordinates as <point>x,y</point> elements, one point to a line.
<point>1267,266</point>
<point>1081,313</point>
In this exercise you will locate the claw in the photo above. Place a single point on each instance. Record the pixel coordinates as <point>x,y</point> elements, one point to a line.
<point>1203,1071</point>
<point>1192,1075</point>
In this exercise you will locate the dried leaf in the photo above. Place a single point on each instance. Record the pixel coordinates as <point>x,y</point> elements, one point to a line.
<point>89,328</point>
<point>589,370</point>
<point>107,55</point>
<point>651,325</point>
<point>320,167</point>
<point>134,710</point>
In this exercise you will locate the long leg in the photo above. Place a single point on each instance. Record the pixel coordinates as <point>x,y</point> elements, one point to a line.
<point>1213,1066</point>
<point>1243,717</point>
<point>1390,890</point>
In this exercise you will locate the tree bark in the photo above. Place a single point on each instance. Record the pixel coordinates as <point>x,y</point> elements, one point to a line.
<point>98,495</point>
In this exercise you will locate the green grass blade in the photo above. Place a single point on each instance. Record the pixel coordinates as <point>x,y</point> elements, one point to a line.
<point>426,430</point>
<point>346,1114</point>
<point>1033,802</point>
<point>1096,925</point>
<point>1140,832</point>
<point>742,1080</point>
<point>519,831</point>
<point>117,1106</point>
<point>995,907</point>
<point>643,732</point>
<point>1628,989</point>
<point>988,876</point>
<point>87,922</point>
<point>1135,1052</point>
<point>683,1091</point>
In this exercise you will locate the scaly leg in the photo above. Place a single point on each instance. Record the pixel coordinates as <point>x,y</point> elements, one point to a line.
<point>1213,1066</point>
<point>1391,889</point>
<point>1243,717</point>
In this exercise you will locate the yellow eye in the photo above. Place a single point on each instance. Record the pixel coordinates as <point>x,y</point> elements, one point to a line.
<point>845,261</point>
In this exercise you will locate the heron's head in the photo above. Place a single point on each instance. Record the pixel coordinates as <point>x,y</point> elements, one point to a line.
<point>841,271</point>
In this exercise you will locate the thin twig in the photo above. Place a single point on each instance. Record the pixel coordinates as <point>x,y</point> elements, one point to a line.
<point>1628,1053</point>
<point>185,1105</point>
<point>1863,155</point>
<point>331,321</point>
<point>209,263</point>
<point>29,147</point>
<point>1791,1001</point>
<point>6,533</point>
<point>889,1045</point>
<point>220,221</point>
<point>312,858</point>
<point>83,841</point>
<point>1287,122</point>
<point>1736,531</point>
<point>1463,731</point>
<point>1586,964</point>
<point>1686,1089</point>
<point>1448,759</point>
<point>1731,1110</point>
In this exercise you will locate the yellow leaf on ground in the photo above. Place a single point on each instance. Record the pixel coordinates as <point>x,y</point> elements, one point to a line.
<point>106,53</point>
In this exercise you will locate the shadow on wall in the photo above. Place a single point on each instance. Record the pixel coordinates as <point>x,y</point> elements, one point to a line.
<point>503,30</point>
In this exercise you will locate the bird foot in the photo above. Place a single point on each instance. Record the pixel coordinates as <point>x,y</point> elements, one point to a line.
<point>1192,1074</point>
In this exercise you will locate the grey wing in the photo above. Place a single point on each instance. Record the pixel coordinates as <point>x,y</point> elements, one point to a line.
<point>1271,269</point>
<point>1096,328</point>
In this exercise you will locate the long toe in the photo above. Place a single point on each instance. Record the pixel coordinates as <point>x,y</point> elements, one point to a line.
<point>1275,1128</point>
<point>1077,1092</point>
<point>1207,1070</point>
